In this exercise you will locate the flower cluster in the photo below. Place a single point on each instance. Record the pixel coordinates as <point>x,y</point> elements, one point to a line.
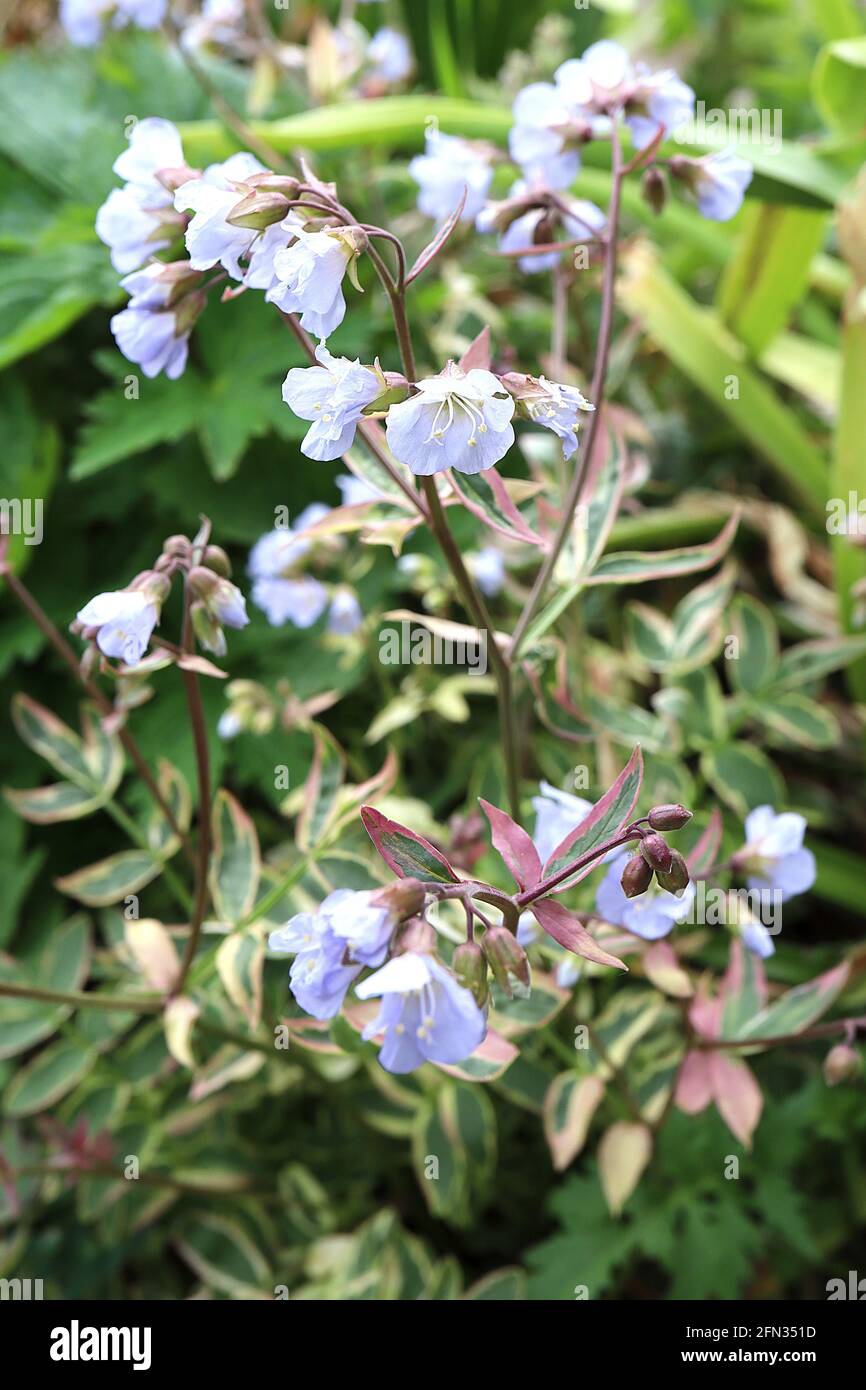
<point>284,593</point>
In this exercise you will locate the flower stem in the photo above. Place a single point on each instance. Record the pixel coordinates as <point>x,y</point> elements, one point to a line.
<point>138,1004</point>
<point>202,761</point>
<point>529,895</point>
<point>599,378</point>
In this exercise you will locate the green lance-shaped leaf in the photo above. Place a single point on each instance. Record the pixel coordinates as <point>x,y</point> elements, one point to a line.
<point>223,1256</point>
<point>743,990</point>
<point>441,1166</point>
<point>103,752</point>
<point>321,791</point>
<point>235,860</point>
<point>569,1106</point>
<point>713,360</point>
<point>62,966</point>
<point>173,785</point>
<point>610,813</point>
<point>769,271</point>
<point>798,1008</point>
<point>408,854</point>
<point>743,776</point>
<point>240,962</point>
<point>796,719</point>
<point>486,496</point>
<point>47,805</point>
<point>46,1079</point>
<point>111,879</point>
<point>637,566</point>
<point>812,660</point>
<point>53,740</point>
<point>757,637</point>
<point>696,621</point>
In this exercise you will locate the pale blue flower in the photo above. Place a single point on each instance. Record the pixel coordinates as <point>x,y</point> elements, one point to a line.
<point>774,856</point>
<point>487,567</point>
<point>538,140</point>
<point>425,1016</point>
<point>557,813</point>
<point>299,601</point>
<point>333,396</point>
<point>556,408</point>
<point>456,420</point>
<point>149,334</point>
<point>210,238</point>
<point>332,946</point>
<point>651,915</point>
<point>125,619</point>
<point>278,553</point>
<point>345,615</point>
<point>354,490</point>
<point>719,182</point>
<point>448,166</point>
<point>756,938</point>
<point>389,55</point>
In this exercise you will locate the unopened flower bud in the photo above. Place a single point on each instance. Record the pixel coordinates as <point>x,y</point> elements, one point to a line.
<point>259,210</point>
<point>176,545</point>
<point>508,961</point>
<point>216,559</point>
<point>470,967</point>
<point>676,878</point>
<point>636,876</point>
<point>654,189</point>
<point>669,817</point>
<point>841,1063</point>
<point>417,936</point>
<point>209,633</point>
<point>202,582</point>
<point>657,852</point>
<point>403,898</point>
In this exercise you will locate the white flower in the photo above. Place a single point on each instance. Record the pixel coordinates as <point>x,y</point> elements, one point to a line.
<point>228,724</point>
<point>151,340</point>
<point>756,938</point>
<point>125,619</point>
<point>557,813</point>
<point>774,856</point>
<point>456,420</point>
<point>345,615</point>
<point>154,144</point>
<point>210,239</point>
<point>557,408</point>
<point>146,14</point>
<point>227,604</point>
<point>298,601</point>
<point>334,396</point>
<point>260,273</point>
<point>278,552</point>
<point>605,78</point>
<point>586,221</point>
<point>138,220</point>
<point>661,99</point>
<point>719,182</point>
<point>425,1014</point>
<point>221,22</point>
<point>487,567</point>
<point>448,166</point>
<point>83,20</point>
<point>390,56</point>
<point>310,278</point>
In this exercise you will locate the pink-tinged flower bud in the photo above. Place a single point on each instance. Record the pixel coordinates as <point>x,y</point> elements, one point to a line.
<point>508,961</point>
<point>172,178</point>
<point>417,937</point>
<point>636,876</point>
<point>676,878</point>
<point>470,967</point>
<point>841,1064</point>
<point>176,545</point>
<point>403,898</point>
<point>258,210</point>
<point>202,582</point>
<point>669,817</point>
<point>657,852</point>
<point>654,189</point>
<point>215,558</point>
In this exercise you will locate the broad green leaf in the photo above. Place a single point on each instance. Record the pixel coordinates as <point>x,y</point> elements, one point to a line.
<point>839,84</point>
<point>62,966</point>
<point>811,661</point>
<point>798,1008</point>
<point>235,862</point>
<point>708,355</point>
<point>636,567</point>
<point>742,776</point>
<point>45,805</point>
<point>222,1255</point>
<point>46,1079</point>
<point>569,1106</point>
<point>796,719</point>
<point>758,645</point>
<point>649,635</point>
<point>408,854</point>
<point>514,1017</point>
<point>52,740</point>
<point>769,271</point>
<point>109,880</point>
<point>697,706</point>
<point>441,1165</point>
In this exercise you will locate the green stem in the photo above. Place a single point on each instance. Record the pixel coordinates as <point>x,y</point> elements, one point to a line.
<point>202,761</point>
<point>129,827</point>
<point>138,1004</point>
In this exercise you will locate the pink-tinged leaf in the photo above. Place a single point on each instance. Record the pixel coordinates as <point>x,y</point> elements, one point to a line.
<point>636,567</point>
<point>705,1013</point>
<point>432,249</point>
<point>490,1060</point>
<point>478,354</point>
<point>570,932</point>
<point>515,845</point>
<point>569,1105</point>
<point>606,819</point>
<point>408,854</point>
<point>694,1084</point>
<point>199,665</point>
<point>797,1008</point>
<point>662,966</point>
<point>321,790</point>
<point>737,1095</point>
<point>486,496</point>
<point>743,991</point>
<point>706,852</point>
<point>623,1154</point>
